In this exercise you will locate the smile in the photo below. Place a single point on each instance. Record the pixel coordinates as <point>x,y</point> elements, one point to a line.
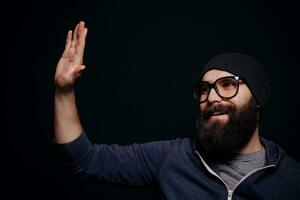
<point>218,113</point>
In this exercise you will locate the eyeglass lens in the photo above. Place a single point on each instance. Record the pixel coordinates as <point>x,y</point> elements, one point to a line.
<point>226,87</point>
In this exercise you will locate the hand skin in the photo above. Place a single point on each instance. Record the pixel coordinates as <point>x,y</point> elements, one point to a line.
<point>67,126</point>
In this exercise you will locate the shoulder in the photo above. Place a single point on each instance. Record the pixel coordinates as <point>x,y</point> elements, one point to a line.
<point>177,144</point>
<point>290,164</point>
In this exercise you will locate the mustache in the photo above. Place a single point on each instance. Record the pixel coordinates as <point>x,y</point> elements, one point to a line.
<point>218,108</point>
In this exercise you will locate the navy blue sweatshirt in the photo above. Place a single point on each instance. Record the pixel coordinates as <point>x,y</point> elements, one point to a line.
<point>180,171</point>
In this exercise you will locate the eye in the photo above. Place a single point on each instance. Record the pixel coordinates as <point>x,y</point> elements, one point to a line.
<point>227,83</point>
<point>203,88</point>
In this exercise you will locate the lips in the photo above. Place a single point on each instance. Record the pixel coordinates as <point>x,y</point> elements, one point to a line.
<point>217,110</point>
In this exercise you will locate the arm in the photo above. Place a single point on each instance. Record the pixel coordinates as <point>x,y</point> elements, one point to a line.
<point>67,126</point>
<point>135,164</point>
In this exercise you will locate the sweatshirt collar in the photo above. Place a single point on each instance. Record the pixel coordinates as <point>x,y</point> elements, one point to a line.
<point>274,153</point>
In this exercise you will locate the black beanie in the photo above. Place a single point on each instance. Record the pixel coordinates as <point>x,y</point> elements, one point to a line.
<point>248,69</point>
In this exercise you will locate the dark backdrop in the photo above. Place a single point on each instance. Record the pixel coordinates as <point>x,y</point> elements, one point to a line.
<point>142,58</point>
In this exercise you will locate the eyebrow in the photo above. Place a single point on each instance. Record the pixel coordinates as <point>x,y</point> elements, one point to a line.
<point>213,80</point>
<point>218,78</point>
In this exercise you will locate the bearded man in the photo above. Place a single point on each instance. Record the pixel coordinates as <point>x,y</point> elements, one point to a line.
<point>228,159</point>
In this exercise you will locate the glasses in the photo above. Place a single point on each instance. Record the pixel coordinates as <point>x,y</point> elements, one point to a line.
<point>226,87</point>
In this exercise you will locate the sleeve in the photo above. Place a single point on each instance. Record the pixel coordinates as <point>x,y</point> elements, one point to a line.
<point>135,164</point>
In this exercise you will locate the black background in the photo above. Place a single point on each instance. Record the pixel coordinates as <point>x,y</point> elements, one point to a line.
<point>142,58</point>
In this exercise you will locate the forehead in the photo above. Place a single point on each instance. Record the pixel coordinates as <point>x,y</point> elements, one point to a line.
<point>214,74</point>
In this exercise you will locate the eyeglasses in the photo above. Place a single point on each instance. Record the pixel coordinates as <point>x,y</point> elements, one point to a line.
<point>226,87</point>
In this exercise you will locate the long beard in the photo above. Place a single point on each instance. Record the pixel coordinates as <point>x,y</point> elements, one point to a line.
<point>220,142</point>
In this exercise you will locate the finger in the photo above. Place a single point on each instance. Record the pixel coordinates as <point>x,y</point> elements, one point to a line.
<point>74,38</point>
<point>68,40</point>
<point>75,31</point>
<point>81,42</point>
<point>80,28</point>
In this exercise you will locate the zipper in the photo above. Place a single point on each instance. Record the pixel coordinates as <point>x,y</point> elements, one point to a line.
<point>230,192</point>
<point>229,197</point>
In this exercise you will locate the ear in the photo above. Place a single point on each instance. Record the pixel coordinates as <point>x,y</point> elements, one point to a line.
<point>258,113</point>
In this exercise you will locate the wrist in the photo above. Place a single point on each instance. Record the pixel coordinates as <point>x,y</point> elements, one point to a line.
<point>64,92</point>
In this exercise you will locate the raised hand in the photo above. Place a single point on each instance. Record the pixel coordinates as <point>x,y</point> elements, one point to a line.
<point>70,65</point>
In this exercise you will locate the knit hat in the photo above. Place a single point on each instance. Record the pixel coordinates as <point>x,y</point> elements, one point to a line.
<point>248,69</point>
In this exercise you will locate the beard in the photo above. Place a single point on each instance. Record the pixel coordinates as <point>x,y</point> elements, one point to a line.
<point>220,141</point>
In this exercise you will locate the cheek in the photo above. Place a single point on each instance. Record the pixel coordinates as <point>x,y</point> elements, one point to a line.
<point>202,106</point>
<point>241,98</point>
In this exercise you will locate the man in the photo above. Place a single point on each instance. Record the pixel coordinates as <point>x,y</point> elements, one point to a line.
<point>227,159</point>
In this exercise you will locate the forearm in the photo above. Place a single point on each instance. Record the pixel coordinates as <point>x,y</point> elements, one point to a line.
<point>67,126</point>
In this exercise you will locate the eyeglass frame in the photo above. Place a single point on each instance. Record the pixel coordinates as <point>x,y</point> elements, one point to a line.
<point>213,85</point>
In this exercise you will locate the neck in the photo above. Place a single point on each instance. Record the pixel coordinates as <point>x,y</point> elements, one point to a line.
<point>254,144</point>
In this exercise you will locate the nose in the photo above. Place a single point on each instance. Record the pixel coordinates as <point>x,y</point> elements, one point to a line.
<point>213,96</point>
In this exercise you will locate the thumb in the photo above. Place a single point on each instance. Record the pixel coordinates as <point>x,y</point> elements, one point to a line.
<point>78,71</point>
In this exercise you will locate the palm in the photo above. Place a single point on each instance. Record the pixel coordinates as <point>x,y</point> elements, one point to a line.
<point>70,67</point>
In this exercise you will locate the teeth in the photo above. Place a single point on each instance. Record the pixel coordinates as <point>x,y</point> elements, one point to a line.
<point>218,113</point>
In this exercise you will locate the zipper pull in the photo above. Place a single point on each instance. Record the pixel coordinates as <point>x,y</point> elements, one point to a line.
<point>229,195</point>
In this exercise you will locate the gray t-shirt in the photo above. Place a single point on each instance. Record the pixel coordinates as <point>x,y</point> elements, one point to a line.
<point>233,171</point>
